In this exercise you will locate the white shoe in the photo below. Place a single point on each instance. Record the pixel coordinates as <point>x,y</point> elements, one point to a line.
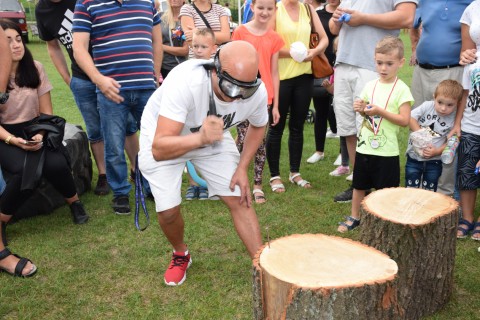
<point>338,161</point>
<point>349,178</point>
<point>315,157</point>
<point>330,134</point>
<point>340,171</point>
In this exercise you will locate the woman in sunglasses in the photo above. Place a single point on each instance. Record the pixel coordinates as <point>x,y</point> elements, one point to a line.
<point>296,85</point>
<point>188,119</point>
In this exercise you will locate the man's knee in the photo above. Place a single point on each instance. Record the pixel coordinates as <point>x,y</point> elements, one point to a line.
<point>169,216</point>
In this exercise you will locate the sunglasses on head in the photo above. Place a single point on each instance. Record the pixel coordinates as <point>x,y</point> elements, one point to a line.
<point>232,87</point>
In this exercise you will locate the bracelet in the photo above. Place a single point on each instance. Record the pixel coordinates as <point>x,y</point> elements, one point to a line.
<point>7,141</point>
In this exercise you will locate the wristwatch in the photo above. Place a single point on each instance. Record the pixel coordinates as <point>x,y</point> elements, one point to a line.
<point>3,97</point>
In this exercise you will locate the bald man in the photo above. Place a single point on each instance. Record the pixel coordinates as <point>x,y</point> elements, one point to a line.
<point>177,126</point>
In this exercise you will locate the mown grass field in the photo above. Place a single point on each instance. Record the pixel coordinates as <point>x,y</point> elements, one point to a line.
<point>106,269</point>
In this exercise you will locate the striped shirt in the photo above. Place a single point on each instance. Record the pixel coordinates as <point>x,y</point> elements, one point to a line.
<point>121,39</point>
<point>212,16</point>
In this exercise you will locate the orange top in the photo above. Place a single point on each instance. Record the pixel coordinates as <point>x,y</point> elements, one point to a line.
<point>267,44</point>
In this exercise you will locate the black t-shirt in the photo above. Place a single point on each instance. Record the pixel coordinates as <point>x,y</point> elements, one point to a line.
<point>325,16</point>
<point>54,21</point>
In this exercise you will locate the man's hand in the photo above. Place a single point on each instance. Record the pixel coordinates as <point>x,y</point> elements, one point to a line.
<point>240,178</point>
<point>110,88</point>
<point>211,130</point>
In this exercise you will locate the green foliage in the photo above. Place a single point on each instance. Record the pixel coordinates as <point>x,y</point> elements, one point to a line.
<point>108,270</point>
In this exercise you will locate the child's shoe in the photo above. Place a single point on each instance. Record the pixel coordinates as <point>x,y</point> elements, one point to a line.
<point>340,171</point>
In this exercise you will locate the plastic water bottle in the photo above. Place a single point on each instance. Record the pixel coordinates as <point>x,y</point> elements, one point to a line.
<point>448,153</point>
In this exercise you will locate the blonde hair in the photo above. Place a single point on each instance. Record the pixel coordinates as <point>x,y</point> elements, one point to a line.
<point>167,17</point>
<point>205,32</point>
<point>450,89</point>
<point>389,44</point>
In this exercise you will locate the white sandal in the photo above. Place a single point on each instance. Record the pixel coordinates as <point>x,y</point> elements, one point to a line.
<point>260,197</point>
<point>277,186</point>
<point>301,183</point>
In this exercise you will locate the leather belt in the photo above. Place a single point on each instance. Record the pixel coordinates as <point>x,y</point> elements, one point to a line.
<point>432,67</point>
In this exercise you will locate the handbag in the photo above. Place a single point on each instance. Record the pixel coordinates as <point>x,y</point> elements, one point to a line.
<point>321,67</point>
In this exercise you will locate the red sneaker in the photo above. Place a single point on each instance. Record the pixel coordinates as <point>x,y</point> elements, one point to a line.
<point>177,270</point>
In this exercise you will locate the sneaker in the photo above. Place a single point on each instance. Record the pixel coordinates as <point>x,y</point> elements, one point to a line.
<point>331,134</point>
<point>338,161</point>
<point>340,171</point>
<point>192,193</point>
<point>350,177</point>
<point>344,196</point>
<point>202,193</point>
<point>102,187</point>
<point>316,157</point>
<point>121,205</point>
<point>177,270</point>
<point>79,214</point>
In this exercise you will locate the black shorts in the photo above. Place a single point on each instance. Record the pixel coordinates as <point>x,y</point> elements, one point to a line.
<point>375,172</point>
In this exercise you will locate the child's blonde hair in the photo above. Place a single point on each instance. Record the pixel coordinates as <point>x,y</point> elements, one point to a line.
<point>390,44</point>
<point>205,32</point>
<point>450,89</point>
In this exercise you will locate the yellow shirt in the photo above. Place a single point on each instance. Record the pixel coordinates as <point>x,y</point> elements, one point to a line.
<point>292,31</point>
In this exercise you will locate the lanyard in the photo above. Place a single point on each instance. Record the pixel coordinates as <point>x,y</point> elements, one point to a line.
<point>374,125</point>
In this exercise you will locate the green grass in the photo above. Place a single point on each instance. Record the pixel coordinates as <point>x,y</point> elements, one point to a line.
<point>108,270</point>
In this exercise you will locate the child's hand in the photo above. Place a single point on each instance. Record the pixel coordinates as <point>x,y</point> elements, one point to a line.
<point>359,105</point>
<point>429,152</point>
<point>477,167</point>
<point>372,110</point>
<point>326,83</point>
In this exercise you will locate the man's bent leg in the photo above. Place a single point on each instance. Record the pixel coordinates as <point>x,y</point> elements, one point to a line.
<point>246,224</point>
<point>173,226</point>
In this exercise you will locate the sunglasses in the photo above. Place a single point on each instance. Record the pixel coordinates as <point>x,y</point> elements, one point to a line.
<point>232,87</point>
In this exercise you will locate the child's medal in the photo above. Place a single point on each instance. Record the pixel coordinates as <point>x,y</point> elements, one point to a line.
<point>374,143</point>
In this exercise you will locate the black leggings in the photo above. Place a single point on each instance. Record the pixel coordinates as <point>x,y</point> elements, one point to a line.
<point>55,170</point>
<point>323,113</point>
<point>294,99</point>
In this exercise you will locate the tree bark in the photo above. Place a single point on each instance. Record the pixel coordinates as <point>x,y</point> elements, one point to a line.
<point>417,229</point>
<point>315,276</point>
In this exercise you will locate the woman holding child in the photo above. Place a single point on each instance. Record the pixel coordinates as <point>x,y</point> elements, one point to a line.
<point>29,91</point>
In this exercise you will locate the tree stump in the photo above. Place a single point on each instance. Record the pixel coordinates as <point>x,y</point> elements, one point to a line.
<point>314,276</point>
<point>417,229</point>
<point>46,198</point>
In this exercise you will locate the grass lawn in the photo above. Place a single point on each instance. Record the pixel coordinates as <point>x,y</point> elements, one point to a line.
<point>106,269</point>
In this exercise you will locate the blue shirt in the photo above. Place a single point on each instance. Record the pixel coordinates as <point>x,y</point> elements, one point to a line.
<point>441,40</point>
<point>121,39</point>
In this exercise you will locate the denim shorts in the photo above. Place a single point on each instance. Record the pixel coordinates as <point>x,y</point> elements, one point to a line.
<point>422,174</point>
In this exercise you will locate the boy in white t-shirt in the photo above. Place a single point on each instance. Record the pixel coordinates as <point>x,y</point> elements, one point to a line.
<point>437,117</point>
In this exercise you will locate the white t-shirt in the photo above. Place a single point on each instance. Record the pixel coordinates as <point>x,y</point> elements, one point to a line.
<point>471,73</point>
<point>426,116</point>
<point>356,45</point>
<point>184,97</point>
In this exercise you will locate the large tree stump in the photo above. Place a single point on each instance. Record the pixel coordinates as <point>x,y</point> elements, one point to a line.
<point>314,276</point>
<point>417,229</point>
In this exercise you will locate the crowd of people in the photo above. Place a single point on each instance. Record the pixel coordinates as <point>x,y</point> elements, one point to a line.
<point>183,81</point>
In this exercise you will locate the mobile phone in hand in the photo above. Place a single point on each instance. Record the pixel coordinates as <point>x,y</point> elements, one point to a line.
<point>33,142</point>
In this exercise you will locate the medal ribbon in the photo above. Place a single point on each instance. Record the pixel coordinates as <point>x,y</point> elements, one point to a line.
<point>374,125</point>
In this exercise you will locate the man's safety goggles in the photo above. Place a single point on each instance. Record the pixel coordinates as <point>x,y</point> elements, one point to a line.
<point>232,87</point>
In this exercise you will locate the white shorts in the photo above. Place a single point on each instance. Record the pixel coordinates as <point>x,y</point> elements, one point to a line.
<point>424,82</point>
<point>349,83</point>
<point>216,164</point>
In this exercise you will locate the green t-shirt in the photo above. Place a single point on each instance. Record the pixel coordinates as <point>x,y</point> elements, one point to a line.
<point>385,142</point>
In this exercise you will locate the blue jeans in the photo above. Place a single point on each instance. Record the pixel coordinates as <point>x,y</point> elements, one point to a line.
<point>427,172</point>
<point>85,95</point>
<point>114,118</point>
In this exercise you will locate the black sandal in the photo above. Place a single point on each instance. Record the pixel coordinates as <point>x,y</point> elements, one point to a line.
<point>20,265</point>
